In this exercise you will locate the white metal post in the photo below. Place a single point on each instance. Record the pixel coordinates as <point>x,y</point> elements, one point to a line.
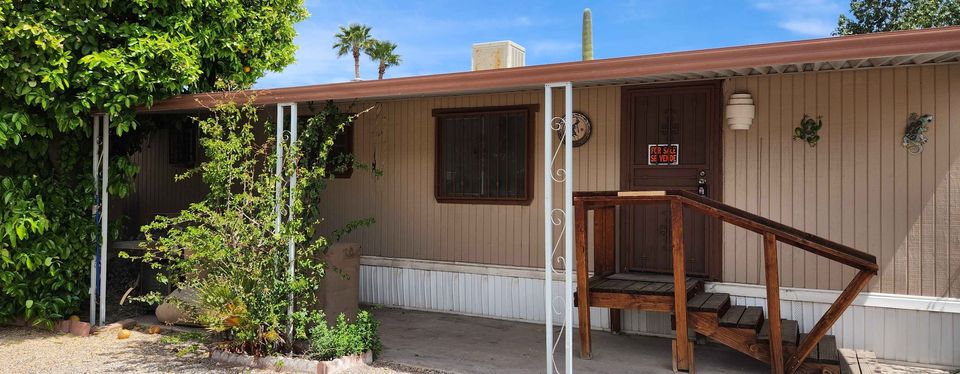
<point>291,251</point>
<point>279,168</point>
<point>568,215</point>
<point>547,221</point>
<point>104,216</point>
<point>564,175</point>
<point>96,182</point>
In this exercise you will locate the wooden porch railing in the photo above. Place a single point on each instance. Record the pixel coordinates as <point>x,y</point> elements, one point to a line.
<point>772,232</point>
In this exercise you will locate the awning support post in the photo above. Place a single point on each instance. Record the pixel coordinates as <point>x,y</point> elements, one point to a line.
<point>291,248</point>
<point>101,175</point>
<point>558,218</point>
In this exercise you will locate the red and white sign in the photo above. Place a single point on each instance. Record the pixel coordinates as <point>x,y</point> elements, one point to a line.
<point>663,154</point>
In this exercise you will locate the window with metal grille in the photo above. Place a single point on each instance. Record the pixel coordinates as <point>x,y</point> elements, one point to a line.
<point>484,155</point>
<point>182,144</point>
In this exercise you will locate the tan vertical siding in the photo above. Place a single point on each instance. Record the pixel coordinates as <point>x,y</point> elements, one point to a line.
<point>858,186</point>
<point>155,191</point>
<point>411,224</point>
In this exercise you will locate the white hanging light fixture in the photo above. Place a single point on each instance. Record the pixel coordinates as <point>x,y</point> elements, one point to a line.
<point>740,111</point>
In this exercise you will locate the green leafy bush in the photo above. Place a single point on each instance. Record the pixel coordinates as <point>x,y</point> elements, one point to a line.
<point>62,61</point>
<point>47,234</point>
<point>229,248</point>
<point>345,338</point>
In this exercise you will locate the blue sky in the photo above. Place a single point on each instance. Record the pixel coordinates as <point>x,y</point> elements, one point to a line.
<point>436,36</point>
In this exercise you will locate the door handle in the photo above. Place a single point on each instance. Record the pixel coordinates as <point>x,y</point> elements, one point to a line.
<point>702,183</point>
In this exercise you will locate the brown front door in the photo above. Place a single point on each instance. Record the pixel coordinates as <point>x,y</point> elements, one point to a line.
<point>684,118</point>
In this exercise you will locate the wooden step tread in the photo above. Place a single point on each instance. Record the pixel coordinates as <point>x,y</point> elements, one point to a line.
<point>789,329</point>
<point>732,316</point>
<point>709,302</point>
<point>825,352</point>
<point>752,318</point>
<point>640,284</point>
<point>743,317</point>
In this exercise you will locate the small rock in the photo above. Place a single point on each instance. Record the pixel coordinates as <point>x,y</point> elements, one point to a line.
<point>123,334</point>
<point>154,330</point>
<point>123,324</point>
<point>170,313</point>
<point>64,326</point>
<point>80,328</point>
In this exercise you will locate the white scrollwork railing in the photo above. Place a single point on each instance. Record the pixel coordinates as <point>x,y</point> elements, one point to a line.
<point>558,219</point>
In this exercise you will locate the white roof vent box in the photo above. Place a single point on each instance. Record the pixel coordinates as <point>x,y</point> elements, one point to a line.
<point>497,55</point>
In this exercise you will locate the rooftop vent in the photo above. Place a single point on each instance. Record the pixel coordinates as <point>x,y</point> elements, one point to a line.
<point>497,55</point>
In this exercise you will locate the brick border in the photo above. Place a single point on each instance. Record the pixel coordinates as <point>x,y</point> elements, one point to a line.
<point>293,364</point>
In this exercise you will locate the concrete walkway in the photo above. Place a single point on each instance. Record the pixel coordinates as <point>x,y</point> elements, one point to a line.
<point>461,344</point>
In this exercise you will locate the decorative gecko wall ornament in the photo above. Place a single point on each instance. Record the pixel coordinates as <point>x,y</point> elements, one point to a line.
<point>808,131</point>
<point>913,136</point>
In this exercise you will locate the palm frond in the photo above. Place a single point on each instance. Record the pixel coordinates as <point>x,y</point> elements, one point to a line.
<point>352,36</point>
<point>383,50</point>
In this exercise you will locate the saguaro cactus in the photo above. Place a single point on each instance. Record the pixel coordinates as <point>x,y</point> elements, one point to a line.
<point>587,35</point>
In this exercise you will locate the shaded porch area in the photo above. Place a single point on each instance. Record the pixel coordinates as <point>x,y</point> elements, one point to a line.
<point>463,344</point>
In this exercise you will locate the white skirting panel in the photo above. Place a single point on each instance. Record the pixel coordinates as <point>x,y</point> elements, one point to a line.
<point>905,335</point>
<point>926,334</point>
<point>484,295</point>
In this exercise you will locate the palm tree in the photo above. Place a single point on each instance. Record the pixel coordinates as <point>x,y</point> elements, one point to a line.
<point>354,39</point>
<point>382,51</point>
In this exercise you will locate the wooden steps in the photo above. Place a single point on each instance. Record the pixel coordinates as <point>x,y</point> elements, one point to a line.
<point>742,317</point>
<point>709,302</point>
<point>743,328</point>
<point>826,351</point>
<point>749,331</point>
<point>789,330</point>
<point>710,315</point>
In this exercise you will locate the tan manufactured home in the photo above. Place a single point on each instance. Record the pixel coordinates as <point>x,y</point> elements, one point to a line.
<point>460,204</point>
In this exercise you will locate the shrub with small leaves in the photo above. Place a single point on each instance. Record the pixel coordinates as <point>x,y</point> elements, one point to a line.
<point>231,250</point>
<point>345,338</point>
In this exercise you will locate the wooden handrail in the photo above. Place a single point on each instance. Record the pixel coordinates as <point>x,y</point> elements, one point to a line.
<point>770,230</point>
<point>803,240</point>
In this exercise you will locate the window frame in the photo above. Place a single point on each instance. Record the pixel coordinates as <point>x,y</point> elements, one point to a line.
<point>348,132</point>
<point>529,110</point>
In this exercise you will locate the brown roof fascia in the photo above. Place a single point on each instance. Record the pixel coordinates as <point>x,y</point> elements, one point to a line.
<point>886,44</point>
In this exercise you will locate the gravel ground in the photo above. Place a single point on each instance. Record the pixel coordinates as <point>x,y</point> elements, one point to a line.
<point>31,350</point>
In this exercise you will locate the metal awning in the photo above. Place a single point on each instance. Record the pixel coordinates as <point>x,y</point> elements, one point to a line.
<point>900,48</point>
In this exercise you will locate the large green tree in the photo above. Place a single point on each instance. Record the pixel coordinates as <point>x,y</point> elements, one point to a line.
<point>62,60</point>
<point>868,16</point>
